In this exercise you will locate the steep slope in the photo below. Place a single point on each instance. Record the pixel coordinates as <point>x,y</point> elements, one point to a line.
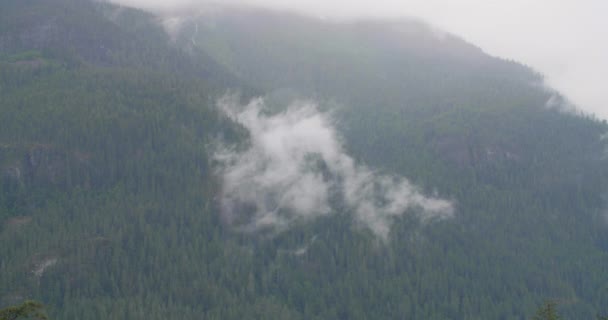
<point>109,208</point>
<point>99,34</point>
<point>99,152</point>
<point>527,176</point>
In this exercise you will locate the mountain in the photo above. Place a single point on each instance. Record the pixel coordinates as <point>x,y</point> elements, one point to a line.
<point>111,184</point>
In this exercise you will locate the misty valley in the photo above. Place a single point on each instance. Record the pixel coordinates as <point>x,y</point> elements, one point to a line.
<point>241,162</point>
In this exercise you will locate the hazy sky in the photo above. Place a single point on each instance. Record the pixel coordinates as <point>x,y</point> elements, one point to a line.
<point>566,40</point>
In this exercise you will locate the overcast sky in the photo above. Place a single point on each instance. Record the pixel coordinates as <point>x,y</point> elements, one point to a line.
<point>566,40</point>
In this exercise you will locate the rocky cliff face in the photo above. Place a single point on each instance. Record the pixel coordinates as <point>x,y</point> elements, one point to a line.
<point>46,165</point>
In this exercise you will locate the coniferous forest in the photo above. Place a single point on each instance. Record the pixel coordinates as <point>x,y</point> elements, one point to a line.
<point>110,187</point>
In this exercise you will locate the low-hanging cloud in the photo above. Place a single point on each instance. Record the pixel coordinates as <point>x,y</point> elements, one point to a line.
<point>295,169</point>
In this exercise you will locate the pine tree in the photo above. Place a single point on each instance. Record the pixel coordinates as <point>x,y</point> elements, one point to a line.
<point>547,312</point>
<point>27,310</point>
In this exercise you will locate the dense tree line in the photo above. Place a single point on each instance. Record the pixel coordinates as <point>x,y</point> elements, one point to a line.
<point>108,194</point>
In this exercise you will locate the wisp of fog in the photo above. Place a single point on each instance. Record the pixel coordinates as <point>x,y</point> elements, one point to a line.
<point>295,169</point>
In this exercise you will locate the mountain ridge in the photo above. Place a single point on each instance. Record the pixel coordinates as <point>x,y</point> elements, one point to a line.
<point>109,199</point>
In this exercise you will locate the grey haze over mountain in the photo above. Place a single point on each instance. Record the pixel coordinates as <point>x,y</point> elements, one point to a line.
<point>564,40</point>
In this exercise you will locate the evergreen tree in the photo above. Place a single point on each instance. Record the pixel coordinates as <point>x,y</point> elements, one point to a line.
<point>27,310</point>
<point>547,312</point>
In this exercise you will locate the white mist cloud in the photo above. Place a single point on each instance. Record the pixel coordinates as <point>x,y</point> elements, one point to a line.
<point>565,39</point>
<point>296,169</point>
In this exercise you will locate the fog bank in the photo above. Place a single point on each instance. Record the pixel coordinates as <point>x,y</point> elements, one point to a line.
<point>564,40</point>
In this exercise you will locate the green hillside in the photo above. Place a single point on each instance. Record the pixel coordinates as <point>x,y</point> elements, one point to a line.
<point>109,188</point>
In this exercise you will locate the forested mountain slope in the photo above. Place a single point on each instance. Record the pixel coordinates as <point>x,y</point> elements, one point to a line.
<point>109,191</point>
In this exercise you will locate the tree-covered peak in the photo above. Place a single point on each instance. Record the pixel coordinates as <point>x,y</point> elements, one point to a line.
<point>122,194</point>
